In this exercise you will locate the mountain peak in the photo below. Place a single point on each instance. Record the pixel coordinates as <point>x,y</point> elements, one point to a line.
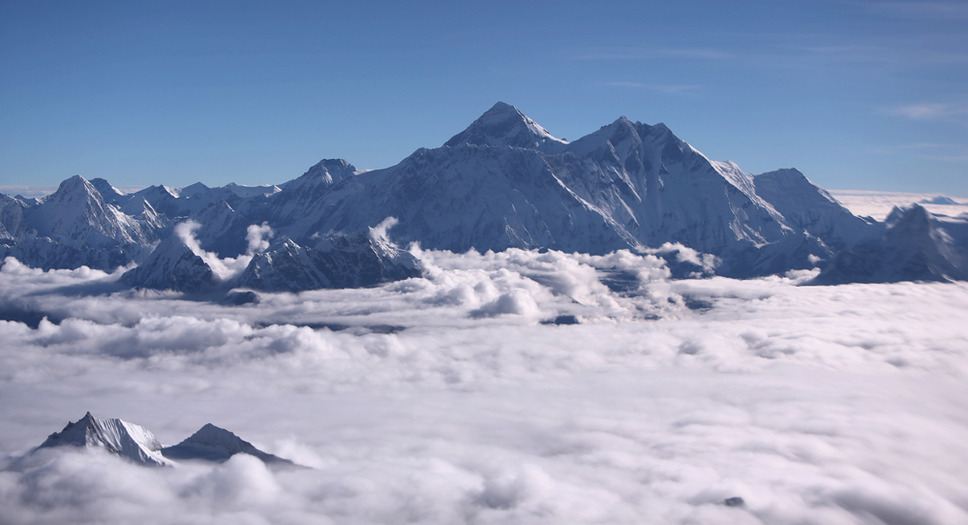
<point>138,444</point>
<point>324,173</point>
<point>172,265</point>
<point>504,126</point>
<point>908,219</point>
<point>333,166</point>
<point>108,192</point>
<point>212,443</point>
<point>73,180</point>
<point>193,189</point>
<point>72,186</point>
<point>118,437</point>
<point>502,107</point>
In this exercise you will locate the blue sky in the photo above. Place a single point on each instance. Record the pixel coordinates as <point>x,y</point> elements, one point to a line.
<point>856,94</point>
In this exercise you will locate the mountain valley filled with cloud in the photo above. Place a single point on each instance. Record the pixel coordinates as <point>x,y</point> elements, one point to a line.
<point>513,387</point>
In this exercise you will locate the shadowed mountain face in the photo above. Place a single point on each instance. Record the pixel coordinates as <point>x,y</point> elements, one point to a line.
<point>503,182</point>
<point>212,443</point>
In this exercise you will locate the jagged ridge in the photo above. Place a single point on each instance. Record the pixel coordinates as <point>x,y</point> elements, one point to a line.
<point>118,437</point>
<point>503,182</point>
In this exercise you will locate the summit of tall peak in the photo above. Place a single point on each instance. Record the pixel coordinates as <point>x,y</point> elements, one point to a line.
<point>505,126</point>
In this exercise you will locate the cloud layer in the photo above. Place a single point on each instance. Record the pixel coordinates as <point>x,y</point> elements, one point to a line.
<point>518,387</point>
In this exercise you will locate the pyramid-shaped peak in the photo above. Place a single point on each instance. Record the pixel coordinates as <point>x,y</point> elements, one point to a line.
<point>211,431</point>
<point>502,107</point>
<point>622,126</point>
<point>75,193</point>
<point>213,443</point>
<point>214,436</point>
<point>74,185</point>
<point>73,181</point>
<point>504,126</point>
<point>172,265</point>
<point>192,190</point>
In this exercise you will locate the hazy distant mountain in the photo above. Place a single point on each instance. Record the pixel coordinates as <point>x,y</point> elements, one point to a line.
<point>913,246</point>
<point>502,182</point>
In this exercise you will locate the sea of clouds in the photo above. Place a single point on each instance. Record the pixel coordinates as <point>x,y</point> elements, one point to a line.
<point>878,204</point>
<point>518,387</point>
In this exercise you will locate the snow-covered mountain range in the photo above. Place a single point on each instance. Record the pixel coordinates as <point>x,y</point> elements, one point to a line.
<point>503,182</point>
<point>137,444</point>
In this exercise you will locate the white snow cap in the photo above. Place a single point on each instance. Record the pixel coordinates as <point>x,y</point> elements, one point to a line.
<point>119,437</point>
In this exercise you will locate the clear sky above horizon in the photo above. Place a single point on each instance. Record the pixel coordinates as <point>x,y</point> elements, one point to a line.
<point>856,94</point>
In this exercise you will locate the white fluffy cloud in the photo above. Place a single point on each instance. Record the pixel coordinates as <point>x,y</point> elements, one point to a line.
<point>228,267</point>
<point>258,237</point>
<point>455,398</point>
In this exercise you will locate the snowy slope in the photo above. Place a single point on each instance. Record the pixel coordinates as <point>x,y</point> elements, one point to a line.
<point>809,208</point>
<point>13,220</point>
<point>172,266</point>
<point>138,444</point>
<point>287,267</point>
<point>504,126</point>
<point>77,215</point>
<point>72,227</point>
<point>119,437</point>
<point>337,261</point>
<point>505,182</point>
<point>301,202</point>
